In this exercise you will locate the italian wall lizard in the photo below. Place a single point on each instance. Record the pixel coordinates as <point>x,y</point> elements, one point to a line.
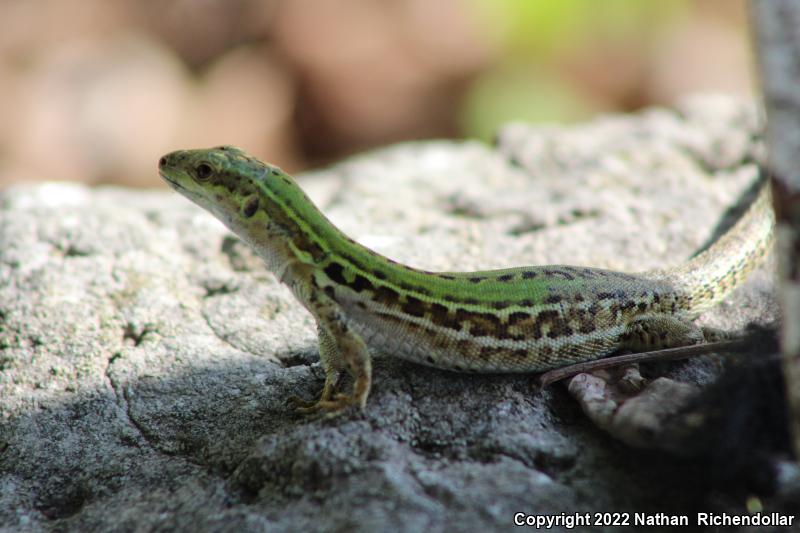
<point>526,319</point>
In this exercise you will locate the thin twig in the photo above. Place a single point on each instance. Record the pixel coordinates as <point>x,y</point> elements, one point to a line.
<point>667,354</point>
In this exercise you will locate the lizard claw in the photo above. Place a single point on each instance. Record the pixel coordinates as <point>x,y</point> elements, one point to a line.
<point>333,407</point>
<point>300,403</point>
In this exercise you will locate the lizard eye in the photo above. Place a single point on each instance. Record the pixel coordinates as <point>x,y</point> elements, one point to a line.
<point>203,171</point>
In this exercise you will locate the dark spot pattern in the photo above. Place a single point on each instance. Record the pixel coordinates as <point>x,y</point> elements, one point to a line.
<point>250,207</point>
<point>413,306</point>
<point>361,283</point>
<point>315,250</point>
<point>558,273</point>
<point>480,324</point>
<point>581,319</point>
<point>386,296</point>
<point>526,325</point>
<point>442,317</point>
<point>486,352</point>
<point>335,272</point>
<point>464,346</point>
<point>516,317</point>
<point>439,313</point>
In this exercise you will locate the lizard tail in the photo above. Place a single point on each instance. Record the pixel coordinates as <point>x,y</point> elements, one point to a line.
<point>711,275</point>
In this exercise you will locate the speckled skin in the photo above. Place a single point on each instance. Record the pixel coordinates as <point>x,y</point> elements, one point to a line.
<point>525,319</point>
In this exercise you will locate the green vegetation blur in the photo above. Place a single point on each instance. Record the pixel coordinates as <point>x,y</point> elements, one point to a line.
<point>564,61</point>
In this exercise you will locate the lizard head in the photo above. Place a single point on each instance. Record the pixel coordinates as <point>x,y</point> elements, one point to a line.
<point>232,185</point>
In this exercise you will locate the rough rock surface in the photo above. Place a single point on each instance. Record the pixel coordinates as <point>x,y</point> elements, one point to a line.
<point>146,357</point>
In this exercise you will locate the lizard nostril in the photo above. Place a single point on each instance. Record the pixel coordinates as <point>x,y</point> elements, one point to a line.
<point>162,161</point>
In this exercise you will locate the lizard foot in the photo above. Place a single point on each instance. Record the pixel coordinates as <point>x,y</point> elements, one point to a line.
<point>332,407</point>
<point>300,403</point>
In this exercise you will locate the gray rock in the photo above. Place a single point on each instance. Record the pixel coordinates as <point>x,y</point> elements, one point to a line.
<point>146,358</point>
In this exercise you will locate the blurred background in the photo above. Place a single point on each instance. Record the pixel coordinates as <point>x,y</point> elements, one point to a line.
<point>96,90</point>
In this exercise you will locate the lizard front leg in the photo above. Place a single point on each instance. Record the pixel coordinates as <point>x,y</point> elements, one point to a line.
<point>332,363</point>
<point>340,348</point>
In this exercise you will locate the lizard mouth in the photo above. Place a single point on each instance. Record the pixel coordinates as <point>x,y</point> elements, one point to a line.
<point>194,196</point>
<point>173,183</point>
